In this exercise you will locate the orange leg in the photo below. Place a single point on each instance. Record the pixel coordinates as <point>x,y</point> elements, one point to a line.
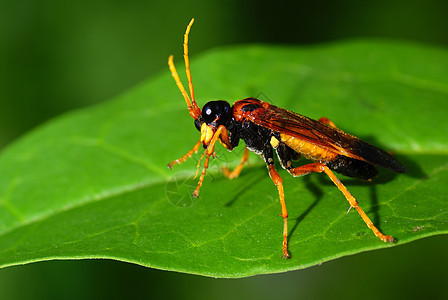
<point>354,203</point>
<point>306,169</point>
<point>236,172</point>
<point>320,167</point>
<point>279,183</point>
<point>210,151</point>
<point>186,156</point>
<point>327,121</point>
<point>201,179</point>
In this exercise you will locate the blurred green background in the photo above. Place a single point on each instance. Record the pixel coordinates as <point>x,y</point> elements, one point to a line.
<point>57,56</point>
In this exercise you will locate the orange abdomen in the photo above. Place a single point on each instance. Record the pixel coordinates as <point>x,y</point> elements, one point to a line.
<point>307,149</point>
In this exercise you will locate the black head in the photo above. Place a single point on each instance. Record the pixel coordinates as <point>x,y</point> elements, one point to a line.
<point>215,113</point>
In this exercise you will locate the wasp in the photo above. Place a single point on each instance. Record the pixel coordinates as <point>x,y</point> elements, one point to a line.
<point>267,129</point>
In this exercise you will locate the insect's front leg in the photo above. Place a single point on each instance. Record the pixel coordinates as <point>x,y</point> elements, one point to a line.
<point>221,132</point>
<point>268,156</point>
<point>186,156</point>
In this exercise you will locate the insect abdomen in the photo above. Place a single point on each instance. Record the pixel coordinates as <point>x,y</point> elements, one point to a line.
<point>352,167</point>
<point>307,149</point>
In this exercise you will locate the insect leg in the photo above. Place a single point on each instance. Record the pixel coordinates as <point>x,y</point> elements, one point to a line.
<point>201,179</point>
<point>236,172</point>
<point>268,156</point>
<point>210,151</point>
<point>279,183</point>
<point>327,121</point>
<point>320,167</point>
<point>306,169</point>
<point>186,156</point>
<point>354,204</point>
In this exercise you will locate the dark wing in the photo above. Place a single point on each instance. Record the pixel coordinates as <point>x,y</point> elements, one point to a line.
<point>325,136</point>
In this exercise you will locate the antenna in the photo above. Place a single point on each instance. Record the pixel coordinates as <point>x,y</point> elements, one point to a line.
<point>193,108</point>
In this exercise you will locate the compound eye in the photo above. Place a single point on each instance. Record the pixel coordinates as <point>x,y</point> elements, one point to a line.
<point>216,110</point>
<point>208,113</point>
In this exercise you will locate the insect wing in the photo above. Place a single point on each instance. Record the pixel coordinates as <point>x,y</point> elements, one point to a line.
<point>323,135</point>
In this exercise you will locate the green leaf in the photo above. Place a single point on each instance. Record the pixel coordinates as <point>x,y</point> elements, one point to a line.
<point>94,184</point>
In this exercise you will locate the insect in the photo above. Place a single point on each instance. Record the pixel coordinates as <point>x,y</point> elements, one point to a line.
<point>266,129</point>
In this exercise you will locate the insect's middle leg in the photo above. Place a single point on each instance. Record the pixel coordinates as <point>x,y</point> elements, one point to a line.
<point>268,156</point>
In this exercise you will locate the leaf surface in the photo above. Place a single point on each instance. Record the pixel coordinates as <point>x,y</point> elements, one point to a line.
<point>94,184</point>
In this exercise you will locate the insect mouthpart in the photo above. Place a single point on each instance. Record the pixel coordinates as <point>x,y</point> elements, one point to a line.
<point>207,132</point>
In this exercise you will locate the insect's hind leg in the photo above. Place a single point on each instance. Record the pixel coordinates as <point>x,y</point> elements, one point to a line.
<point>327,122</point>
<point>306,169</point>
<point>354,203</point>
<point>320,167</point>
